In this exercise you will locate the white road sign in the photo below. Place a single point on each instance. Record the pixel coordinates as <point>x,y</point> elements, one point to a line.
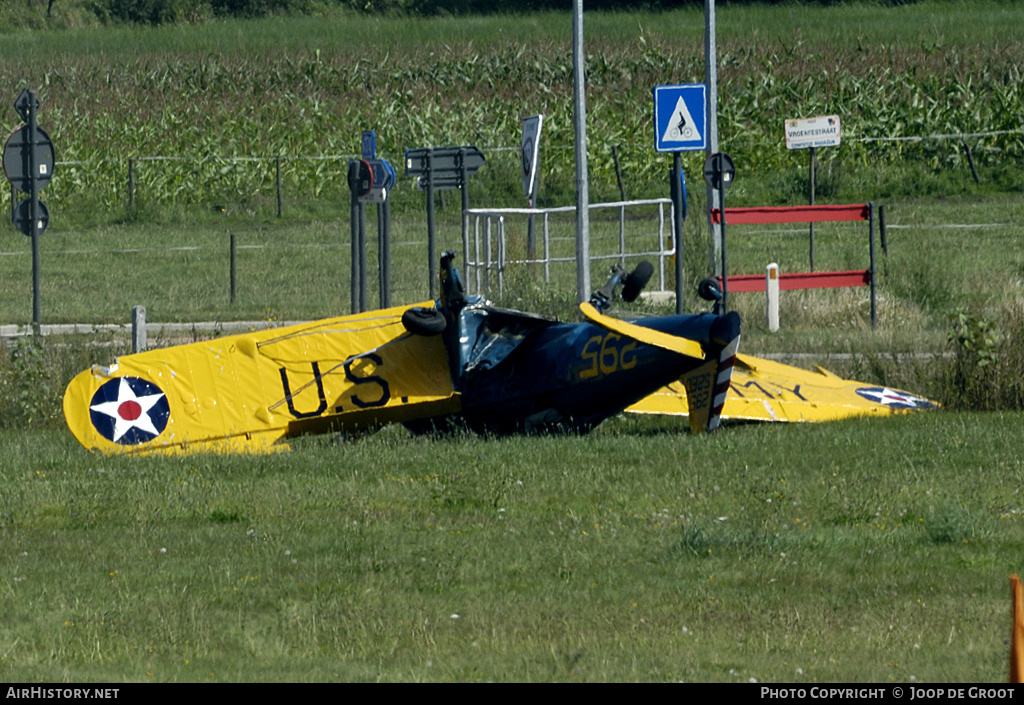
<point>813,132</point>
<point>530,152</point>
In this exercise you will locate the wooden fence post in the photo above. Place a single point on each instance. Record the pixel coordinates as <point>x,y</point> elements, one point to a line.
<point>234,268</point>
<point>138,329</point>
<point>280,197</point>
<point>131,183</point>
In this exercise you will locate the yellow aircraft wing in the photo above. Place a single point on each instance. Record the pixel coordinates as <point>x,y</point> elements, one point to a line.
<point>248,392</point>
<point>763,390</point>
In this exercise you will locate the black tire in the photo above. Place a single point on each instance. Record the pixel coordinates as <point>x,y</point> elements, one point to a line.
<point>709,289</point>
<point>424,321</point>
<point>636,281</point>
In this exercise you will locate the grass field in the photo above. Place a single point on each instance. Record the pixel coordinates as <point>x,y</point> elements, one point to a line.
<point>863,551</point>
<point>868,551</point>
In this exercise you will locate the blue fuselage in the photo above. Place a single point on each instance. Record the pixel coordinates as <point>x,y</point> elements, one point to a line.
<point>521,373</point>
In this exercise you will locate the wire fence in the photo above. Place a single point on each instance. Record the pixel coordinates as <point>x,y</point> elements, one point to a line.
<point>257,184</point>
<point>265,186</point>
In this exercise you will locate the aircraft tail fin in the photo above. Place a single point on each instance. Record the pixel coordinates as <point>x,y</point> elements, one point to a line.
<point>708,384</point>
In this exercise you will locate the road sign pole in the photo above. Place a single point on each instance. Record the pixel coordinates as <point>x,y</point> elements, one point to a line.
<point>34,212</point>
<point>439,169</point>
<point>720,188</point>
<point>813,168</point>
<point>677,206</point>
<point>719,173</point>
<point>354,224</point>
<point>871,251</point>
<point>582,182</point>
<point>711,79</point>
<point>531,234</point>
<point>431,242</point>
<point>363,303</point>
<point>384,251</point>
<point>355,221</point>
<point>464,186</point>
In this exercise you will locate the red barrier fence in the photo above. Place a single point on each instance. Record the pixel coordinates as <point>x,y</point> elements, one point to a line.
<point>793,214</point>
<point>805,214</point>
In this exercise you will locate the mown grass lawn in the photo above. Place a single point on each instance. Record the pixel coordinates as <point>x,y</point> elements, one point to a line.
<point>863,551</point>
<point>869,551</point>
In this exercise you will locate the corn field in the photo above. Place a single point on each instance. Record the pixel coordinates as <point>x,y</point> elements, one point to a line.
<point>206,127</point>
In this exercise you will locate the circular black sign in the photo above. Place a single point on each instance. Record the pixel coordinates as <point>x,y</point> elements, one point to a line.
<point>719,171</point>
<point>16,158</point>
<point>23,217</point>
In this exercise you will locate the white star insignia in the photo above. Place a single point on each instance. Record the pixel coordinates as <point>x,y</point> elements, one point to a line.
<point>129,411</point>
<point>891,397</point>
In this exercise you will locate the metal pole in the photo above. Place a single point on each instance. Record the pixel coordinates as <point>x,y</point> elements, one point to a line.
<point>813,176</point>
<point>501,256</point>
<point>468,283</point>
<point>582,185</point>
<point>711,79</point>
<point>384,251</point>
<point>354,219</point>
<point>531,233</point>
<point>882,231</point>
<point>33,169</point>
<point>487,256</point>
<point>871,249</point>
<point>464,186</point>
<point>677,222</point>
<point>431,242</point>
<point>720,188</point>
<point>622,235</point>
<point>478,283</point>
<point>363,304</point>
<point>547,249</point>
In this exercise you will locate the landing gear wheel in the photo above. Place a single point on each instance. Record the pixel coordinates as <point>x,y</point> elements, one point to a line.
<point>424,321</point>
<point>709,289</point>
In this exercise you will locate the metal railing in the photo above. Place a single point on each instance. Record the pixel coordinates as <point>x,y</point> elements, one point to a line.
<point>485,246</point>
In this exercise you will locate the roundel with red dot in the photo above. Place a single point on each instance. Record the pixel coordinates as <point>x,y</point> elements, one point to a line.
<point>129,410</point>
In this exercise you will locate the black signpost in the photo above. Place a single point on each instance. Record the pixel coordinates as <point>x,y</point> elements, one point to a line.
<point>719,173</point>
<point>370,180</point>
<point>442,168</point>
<point>28,161</point>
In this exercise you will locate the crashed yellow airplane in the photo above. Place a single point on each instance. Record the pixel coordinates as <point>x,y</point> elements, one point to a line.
<point>458,360</point>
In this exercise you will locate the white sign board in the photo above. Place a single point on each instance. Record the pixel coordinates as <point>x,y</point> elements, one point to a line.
<point>530,152</point>
<point>813,132</point>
